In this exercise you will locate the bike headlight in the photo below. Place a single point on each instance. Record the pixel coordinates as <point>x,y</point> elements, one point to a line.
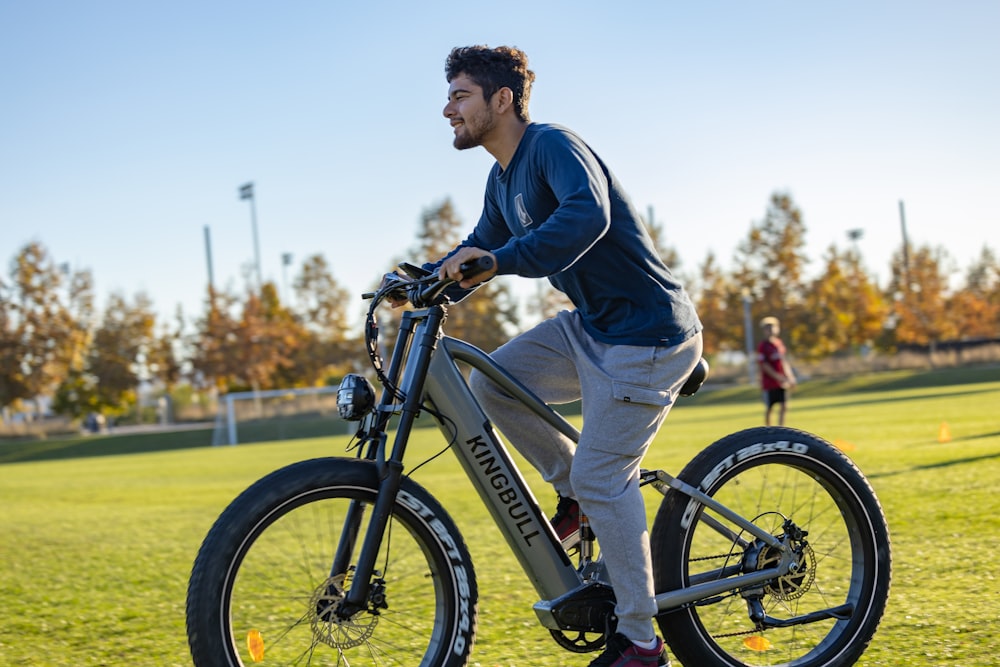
<point>355,398</point>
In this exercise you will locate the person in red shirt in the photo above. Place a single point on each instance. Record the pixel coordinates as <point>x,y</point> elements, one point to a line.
<point>776,376</point>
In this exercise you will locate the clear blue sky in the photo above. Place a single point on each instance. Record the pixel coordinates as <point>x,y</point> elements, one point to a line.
<point>127,127</point>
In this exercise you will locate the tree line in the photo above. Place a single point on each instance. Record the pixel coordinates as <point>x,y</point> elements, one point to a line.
<point>54,343</point>
<point>843,309</point>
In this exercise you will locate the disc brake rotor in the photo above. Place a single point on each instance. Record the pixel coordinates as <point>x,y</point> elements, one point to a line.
<point>332,630</point>
<point>795,584</point>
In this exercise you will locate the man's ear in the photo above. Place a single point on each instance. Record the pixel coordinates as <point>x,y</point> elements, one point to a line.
<point>504,99</point>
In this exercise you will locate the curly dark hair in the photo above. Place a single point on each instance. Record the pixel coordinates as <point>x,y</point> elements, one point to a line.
<point>493,69</point>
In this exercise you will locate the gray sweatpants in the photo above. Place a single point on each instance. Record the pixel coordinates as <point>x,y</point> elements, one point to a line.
<point>626,392</point>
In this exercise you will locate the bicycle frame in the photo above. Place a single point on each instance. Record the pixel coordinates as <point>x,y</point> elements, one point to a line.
<point>424,366</point>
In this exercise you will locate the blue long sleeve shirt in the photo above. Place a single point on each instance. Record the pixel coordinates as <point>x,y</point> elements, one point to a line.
<point>558,212</point>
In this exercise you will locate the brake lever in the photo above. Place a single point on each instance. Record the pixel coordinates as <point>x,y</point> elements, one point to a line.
<point>413,271</point>
<point>399,287</point>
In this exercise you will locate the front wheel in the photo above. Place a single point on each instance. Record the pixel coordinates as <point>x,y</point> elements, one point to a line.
<point>264,587</point>
<point>805,492</point>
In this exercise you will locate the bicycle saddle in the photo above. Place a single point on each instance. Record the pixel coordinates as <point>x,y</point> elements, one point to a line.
<point>696,379</point>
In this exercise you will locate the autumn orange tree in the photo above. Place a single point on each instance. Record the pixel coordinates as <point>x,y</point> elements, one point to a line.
<point>164,357</point>
<point>768,275</point>
<point>920,289</point>
<point>771,263</point>
<point>839,310</point>
<point>328,343</point>
<point>44,318</point>
<point>976,307</point>
<point>212,344</point>
<point>256,342</point>
<point>719,305</point>
<point>116,360</point>
<point>843,308</point>
<point>927,310</point>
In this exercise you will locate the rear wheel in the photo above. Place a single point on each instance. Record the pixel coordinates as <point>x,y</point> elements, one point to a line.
<point>262,586</point>
<point>802,490</point>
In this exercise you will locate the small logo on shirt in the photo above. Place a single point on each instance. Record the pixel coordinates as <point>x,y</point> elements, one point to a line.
<point>522,212</point>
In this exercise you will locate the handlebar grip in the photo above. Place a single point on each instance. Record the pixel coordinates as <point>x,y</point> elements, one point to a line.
<point>473,268</point>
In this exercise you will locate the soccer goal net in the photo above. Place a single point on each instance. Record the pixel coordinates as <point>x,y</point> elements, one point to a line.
<point>280,414</point>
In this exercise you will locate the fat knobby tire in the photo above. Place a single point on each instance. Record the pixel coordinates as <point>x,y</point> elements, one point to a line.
<point>755,461</point>
<point>448,565</point>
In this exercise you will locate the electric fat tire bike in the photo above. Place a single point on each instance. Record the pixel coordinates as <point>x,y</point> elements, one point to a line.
<point>769,548</point>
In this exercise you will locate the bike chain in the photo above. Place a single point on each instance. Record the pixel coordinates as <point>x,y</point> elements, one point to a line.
<point>728,634</point>
<point>738,634</point>
<point>710,557</point>
<point>781,595</point>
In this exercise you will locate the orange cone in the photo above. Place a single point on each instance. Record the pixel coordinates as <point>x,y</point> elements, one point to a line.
<point>944,433</point>
<point>843,445</point>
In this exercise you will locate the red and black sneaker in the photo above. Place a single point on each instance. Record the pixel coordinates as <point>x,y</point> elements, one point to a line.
<point>621,652</point>
<point>566,522</point>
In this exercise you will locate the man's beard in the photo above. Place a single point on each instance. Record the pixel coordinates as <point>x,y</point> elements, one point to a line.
<point>482,124</point>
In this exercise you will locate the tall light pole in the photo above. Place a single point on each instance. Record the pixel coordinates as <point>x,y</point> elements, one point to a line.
<point>286,260</point>
<point>748,335</point>
<point>854,235</point>
<point>208,260</point>
<point>906,248</point>
<point>246,192</point>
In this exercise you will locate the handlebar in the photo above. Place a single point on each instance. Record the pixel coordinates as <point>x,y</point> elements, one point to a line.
<point>424,290</point>
<point>429,289</point>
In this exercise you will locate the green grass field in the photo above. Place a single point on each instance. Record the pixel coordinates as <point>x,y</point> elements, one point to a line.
<point>96,549</point>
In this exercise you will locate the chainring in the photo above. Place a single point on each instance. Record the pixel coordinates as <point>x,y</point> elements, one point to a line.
<point>581,642</point>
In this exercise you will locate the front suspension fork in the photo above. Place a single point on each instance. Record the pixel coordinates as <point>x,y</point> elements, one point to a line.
<point>424,337</point>
<point>356,598</point>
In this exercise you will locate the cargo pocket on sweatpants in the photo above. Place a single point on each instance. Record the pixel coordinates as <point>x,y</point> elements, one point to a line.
<point>633,393</point>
